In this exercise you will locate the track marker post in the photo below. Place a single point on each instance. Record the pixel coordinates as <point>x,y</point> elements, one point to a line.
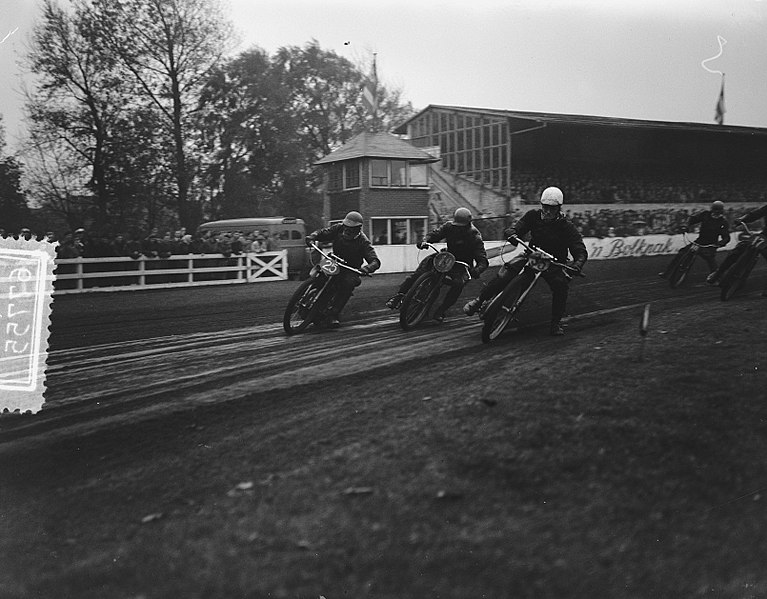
<point>644,326</point>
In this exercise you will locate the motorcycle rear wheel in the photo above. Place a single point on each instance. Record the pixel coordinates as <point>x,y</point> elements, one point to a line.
<point>302,307</point>
<point>499,314</point>
<point>418,300</point>
<point>679,274</point>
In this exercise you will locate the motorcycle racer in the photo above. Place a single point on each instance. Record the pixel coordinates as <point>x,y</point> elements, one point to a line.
<point>550,230</point>
<point>464,241</point>
<point>738,250</point>
<point>713,226</point>
<point>353,246</point>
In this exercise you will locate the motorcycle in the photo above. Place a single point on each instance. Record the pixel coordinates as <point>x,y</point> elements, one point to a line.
<point>505,306</point>
<point>422,295</point>
<point>679,273</point>
<point>311,303</point>
<point>734,278</point>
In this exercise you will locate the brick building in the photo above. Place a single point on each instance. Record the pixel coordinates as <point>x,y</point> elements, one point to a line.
<point>386,179</point>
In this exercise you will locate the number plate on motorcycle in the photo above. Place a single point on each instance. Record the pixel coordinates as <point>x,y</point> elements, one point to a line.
<point>443,261</point>
<point>329,267</point>
<point>539,262</point>
<point>26,288</point>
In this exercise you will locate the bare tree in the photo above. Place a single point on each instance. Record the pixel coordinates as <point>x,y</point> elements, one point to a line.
<point>75,96</point>
<point>169,47</point>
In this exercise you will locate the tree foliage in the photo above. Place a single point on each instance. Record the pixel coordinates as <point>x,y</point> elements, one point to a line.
<point>14,213</point>
<point>140,120</point>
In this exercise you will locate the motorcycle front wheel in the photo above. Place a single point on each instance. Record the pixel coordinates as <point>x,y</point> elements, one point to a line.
<point>679,274</point>
<point>417,301</point>
<point>302,307</point>
<point>735,277</point>
<point>499,314</point>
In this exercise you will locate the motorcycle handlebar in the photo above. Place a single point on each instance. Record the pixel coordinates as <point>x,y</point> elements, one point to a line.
<point>341,262</point>
<point>700,245</point>
<point>745,227</point>
<point>532,248</point>
<point>428,245</point>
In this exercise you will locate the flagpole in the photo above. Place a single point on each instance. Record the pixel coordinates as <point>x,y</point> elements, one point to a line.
<point>720,109</point>
<point>375,93</point>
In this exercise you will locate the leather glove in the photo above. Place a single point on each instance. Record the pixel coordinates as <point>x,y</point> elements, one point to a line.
<point>578,266</point>
<point>365,268</point>
<point>474,273</point>
<point>512,241</point>
<point>309,240</point>
<point>721,243</point>
<point>420,245</point>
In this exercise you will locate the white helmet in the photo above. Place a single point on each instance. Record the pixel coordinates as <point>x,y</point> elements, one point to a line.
<point>552,196</point>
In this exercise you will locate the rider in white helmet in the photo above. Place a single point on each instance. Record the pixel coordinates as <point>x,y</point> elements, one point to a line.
<point>550,230</point>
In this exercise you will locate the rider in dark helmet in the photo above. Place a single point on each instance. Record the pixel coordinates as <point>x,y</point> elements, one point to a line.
<point>351,244</point>
<point>549,230</point>
<point>737,252</point>
<point>464,241</point>
<point>713,226</point>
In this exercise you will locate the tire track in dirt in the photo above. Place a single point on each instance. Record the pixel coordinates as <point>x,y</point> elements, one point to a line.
<point>130,380</point>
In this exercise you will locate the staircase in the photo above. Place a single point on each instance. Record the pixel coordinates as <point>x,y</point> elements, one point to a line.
<point>449,192</point>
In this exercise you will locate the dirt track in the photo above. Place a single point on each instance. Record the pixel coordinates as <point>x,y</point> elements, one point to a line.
<point>120,356</point>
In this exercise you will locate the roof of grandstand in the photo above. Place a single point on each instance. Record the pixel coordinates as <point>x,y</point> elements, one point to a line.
<point>545,118</point>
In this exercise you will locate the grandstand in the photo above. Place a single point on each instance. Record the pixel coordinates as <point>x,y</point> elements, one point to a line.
<point>496,161</point>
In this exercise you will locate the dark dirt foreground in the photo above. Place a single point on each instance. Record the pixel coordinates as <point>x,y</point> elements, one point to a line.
<point>595,465</point>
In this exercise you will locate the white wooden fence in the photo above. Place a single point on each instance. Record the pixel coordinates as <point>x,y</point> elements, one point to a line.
<point>83,275</point>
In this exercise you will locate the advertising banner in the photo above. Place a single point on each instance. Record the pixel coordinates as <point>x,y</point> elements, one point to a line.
<point>405,258</point>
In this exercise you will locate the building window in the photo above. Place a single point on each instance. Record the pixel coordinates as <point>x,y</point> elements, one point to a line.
<point>379,173</point>
<point>397,173</point>
<point>351,174</point>
<point>335,177</point>
<point>398,230</point>
<point>418,176</point>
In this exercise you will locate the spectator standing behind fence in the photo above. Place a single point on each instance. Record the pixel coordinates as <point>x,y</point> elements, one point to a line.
<point>67,248</point>
<point>273,243</point>
<point>238,243</point>
<point>259,244</point>
<point>81,242</point>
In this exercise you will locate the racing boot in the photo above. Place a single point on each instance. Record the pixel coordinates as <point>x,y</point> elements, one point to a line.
<point>471,307</point>
<point>556,329</point>
<point>395,301</point>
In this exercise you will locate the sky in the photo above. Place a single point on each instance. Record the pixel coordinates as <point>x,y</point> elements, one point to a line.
<point>645,59</point>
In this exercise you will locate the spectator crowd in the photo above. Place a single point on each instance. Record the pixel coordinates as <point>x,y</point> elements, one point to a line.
<point>599,223</point>
<point>81,243</point>
<point>609,222</point>
<point>618,187</point>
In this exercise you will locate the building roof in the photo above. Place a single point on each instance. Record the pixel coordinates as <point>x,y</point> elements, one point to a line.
<point>377,145</point>
<point>544,118</point>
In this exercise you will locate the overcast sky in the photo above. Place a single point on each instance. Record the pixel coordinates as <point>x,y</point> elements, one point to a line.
<point>648,59</point>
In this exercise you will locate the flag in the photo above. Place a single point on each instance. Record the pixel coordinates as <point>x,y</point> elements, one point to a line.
<point>719,118</point>
<point>369,96</point>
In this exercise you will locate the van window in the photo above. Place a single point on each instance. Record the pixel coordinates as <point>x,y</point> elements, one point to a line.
<point>295,234</point>
<point>284,234</point>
